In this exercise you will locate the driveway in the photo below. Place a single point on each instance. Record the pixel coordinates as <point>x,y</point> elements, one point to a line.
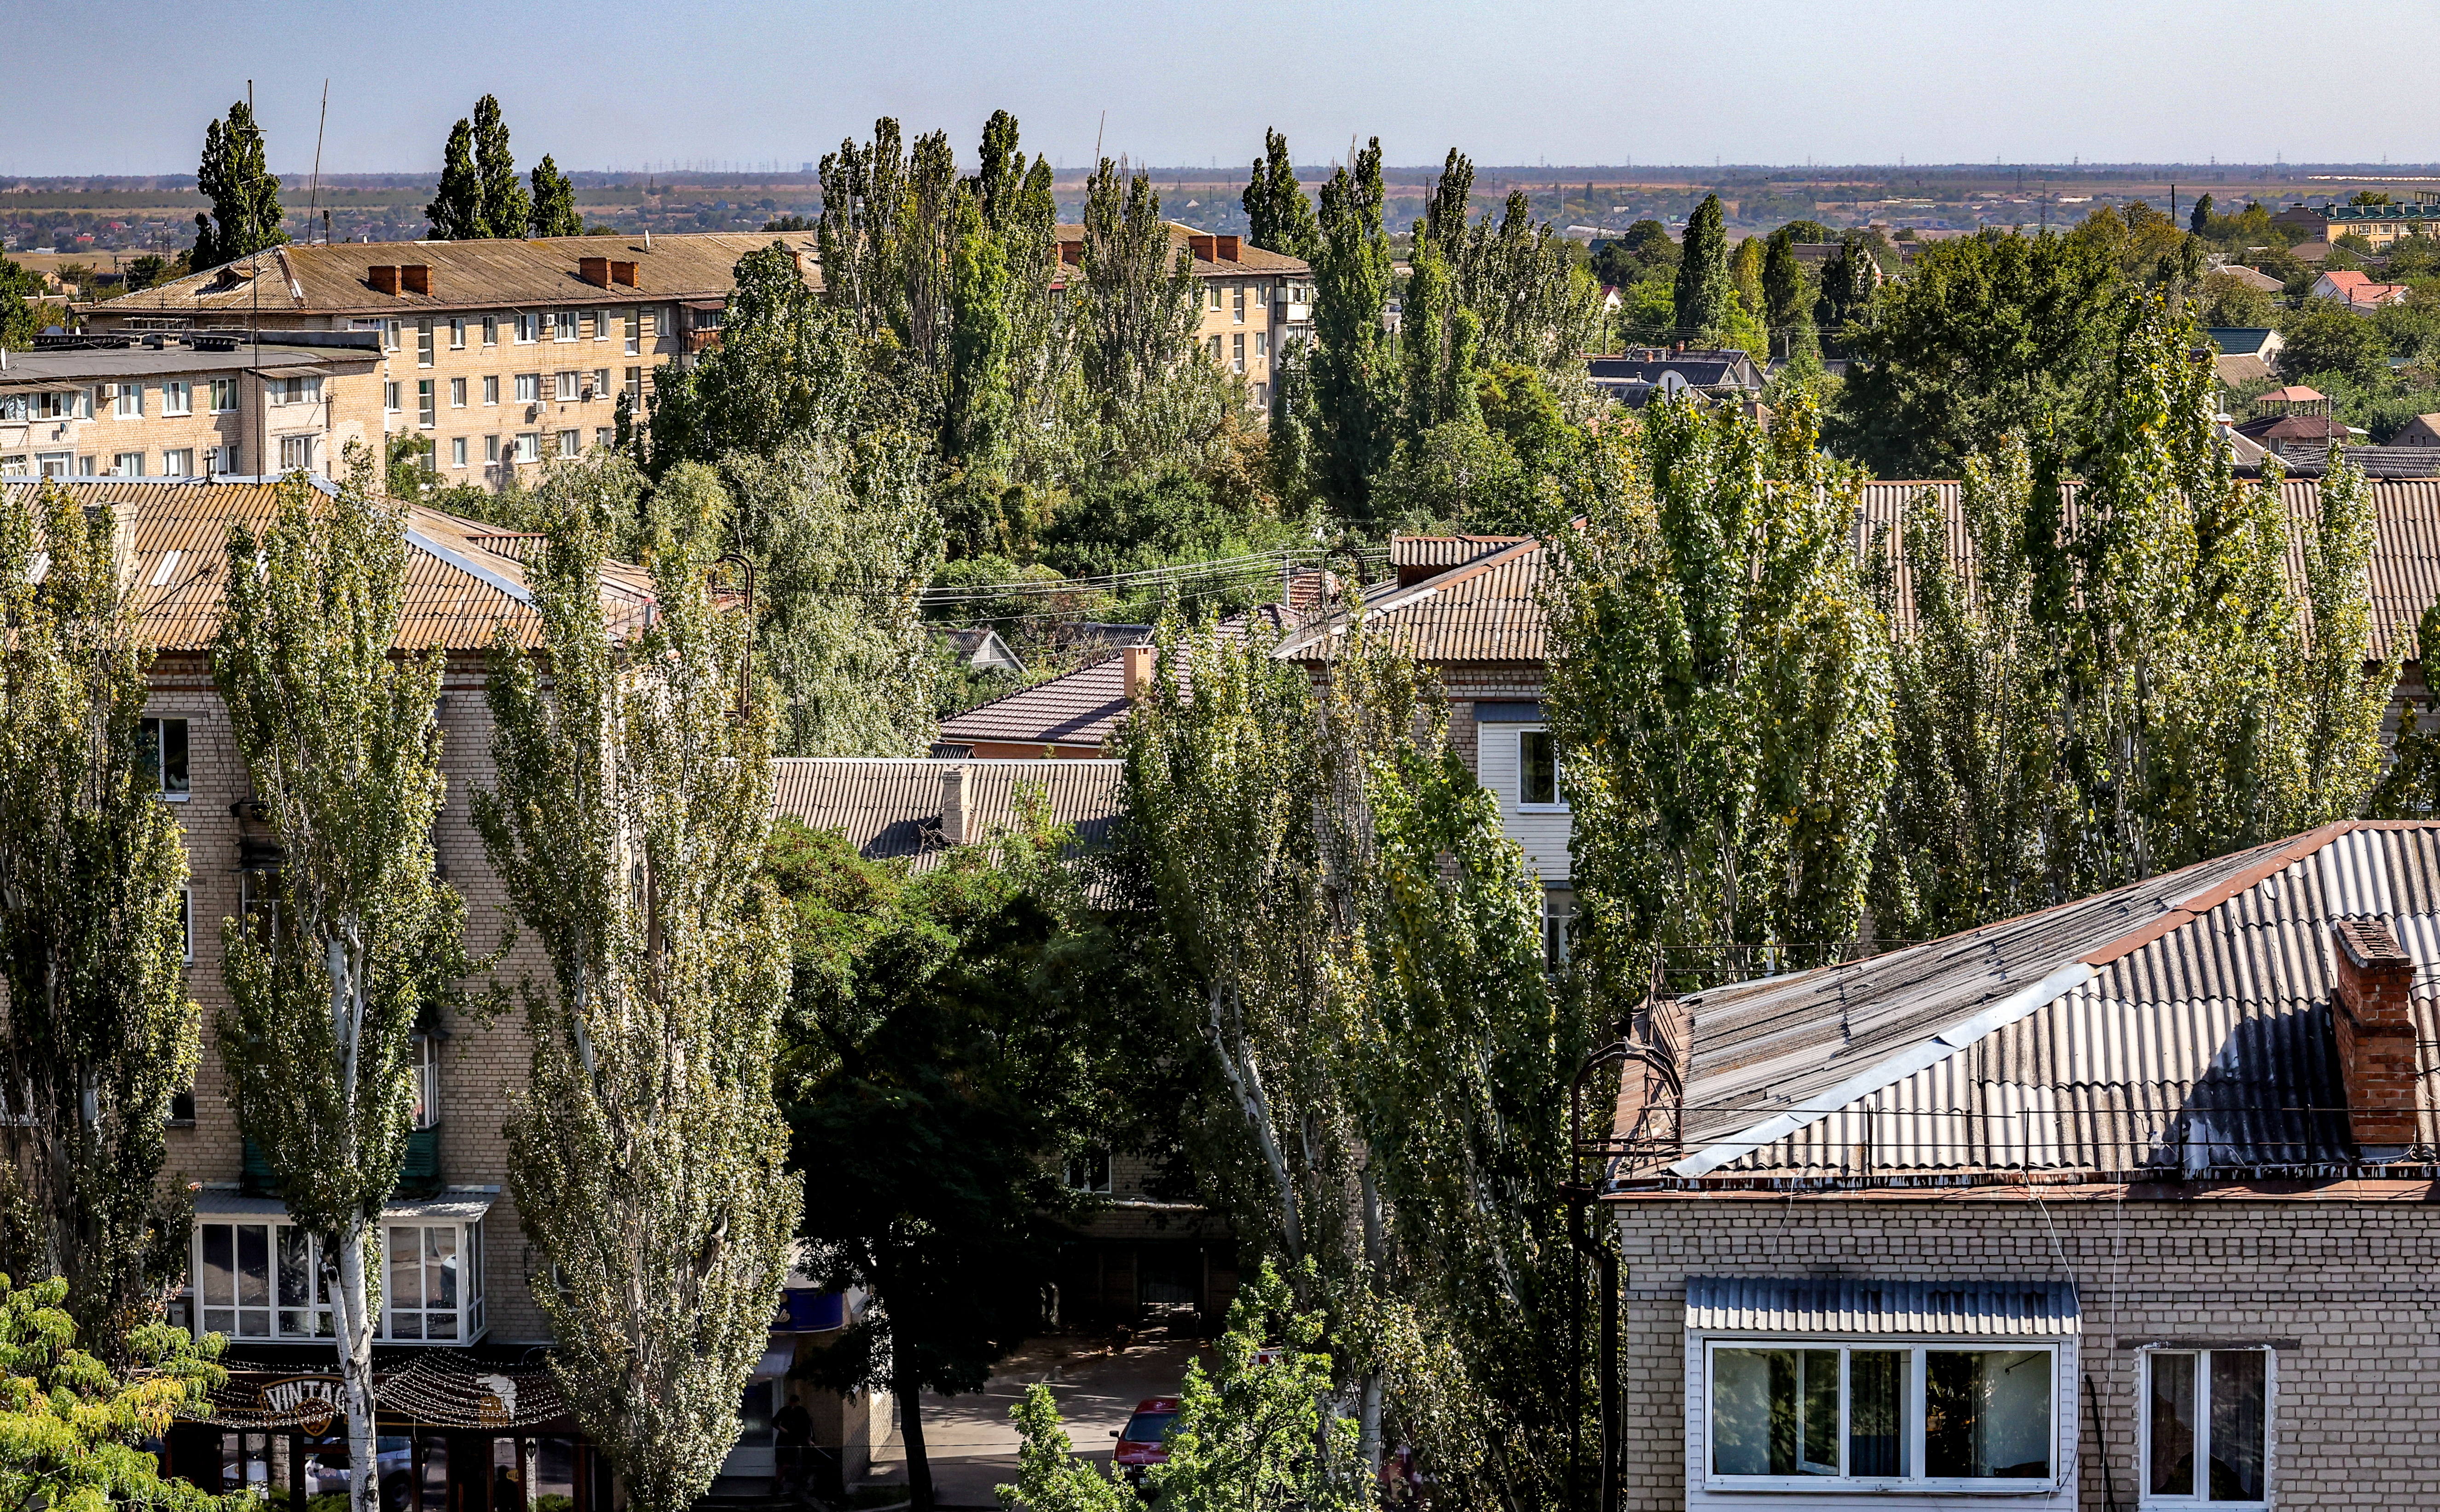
<point>1097,1382</point>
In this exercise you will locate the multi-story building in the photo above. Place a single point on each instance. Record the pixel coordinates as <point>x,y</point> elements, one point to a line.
<point>2379,224</point>
<point>171,404</point>
<point>493,353</point>
<point>1253,301</point>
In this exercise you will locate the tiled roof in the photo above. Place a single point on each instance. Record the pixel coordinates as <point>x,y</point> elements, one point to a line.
<point>2178,1027</point>
<point>1077,709</point>
<point>1482,612</point>
<point>458,586</point>
<point>890,808</point>
<point>334,278</point>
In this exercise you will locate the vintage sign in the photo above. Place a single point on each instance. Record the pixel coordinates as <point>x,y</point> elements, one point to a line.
<point>310,1401</point>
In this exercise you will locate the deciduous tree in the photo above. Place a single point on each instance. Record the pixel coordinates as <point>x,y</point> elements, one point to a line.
<point>1346,394</point>
<point>457,210</point>
<point>1705,291</point>
<point>245,214</point>
<point>505,207</point>
<point>1277,216</point>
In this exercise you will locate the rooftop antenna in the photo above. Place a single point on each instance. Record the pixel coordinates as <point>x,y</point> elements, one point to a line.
<point>316,203</point>
<point>1097,140</point>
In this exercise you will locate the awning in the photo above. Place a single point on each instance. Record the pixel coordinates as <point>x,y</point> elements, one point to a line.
<point>460,1204</point>
<point>1844,1306</point>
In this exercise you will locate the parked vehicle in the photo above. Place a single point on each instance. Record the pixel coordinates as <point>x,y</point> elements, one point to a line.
<point>1144,1442</point>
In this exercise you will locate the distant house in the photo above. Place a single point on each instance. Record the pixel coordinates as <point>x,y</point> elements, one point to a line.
<point>2278,433</point>
<point>2424,429</point>
<point>2356,291</point>
<point>979,649</point>
<point>2251,278</point>
<point>1064,717</point>
<point>2380,224</point>
<point>2312,251</point>
<point>1634,377</point>
<point>2247,354</point>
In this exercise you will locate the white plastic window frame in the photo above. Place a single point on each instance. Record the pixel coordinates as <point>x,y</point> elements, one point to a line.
<point>1558,791</point>
<point>2144,1500</point>
<point>2063,1427</point>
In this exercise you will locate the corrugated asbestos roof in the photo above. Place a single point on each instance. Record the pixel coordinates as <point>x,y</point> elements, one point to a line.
<point>890,808</point>
<point>1827,1304</point>
<point>2179,1025</point>
<point>1250,258</point>
<point>334,279</point>
<point>458,586</point>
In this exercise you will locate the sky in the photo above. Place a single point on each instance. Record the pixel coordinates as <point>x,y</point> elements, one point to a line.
<point>607,85</point>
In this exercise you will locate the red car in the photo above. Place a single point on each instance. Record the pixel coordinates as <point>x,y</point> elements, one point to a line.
<point>1144,1442</point>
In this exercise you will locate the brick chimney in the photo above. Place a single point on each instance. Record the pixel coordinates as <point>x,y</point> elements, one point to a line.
<point>956,813</point>
<point>414,277</point>
<point>1136,664</point>
<point>2375,1034</point>
<point>384,276</point>
<point>595,271</point>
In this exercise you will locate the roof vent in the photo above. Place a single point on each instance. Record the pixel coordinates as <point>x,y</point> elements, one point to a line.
<point>956,807</point>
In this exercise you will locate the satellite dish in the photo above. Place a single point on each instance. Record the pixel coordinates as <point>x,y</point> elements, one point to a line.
<point>1673,383</point>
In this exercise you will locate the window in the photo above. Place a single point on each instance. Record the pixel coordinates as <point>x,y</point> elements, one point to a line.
<point>635,387</point>
<point>563,325</point>
<point>1558,918</point>
<point>1215,296</point>
<point>570,442</point>
<point>600,325</point>
<point>492,389</point>
<point>424,412</point>
<point>634,344</point>
<point>529,328</point>
<point>423,1068</point>
<point>562,387</point>
<point>1262,294</point>
<point>528,446</point>
<point>458,333</point>
<point>1237,353</point>
<point>62,404</point>
<point>129,401</point>
<point>54,464</point>
<point>263,1280</point>
<point>295,454</point>
<point>491,330</point>
<point>177,397</point>
<point>458,451</point>
<point>389,336</point>
<point>2206,1427</point>
<point>306,391</point>
<point>1804,1414</point>
<point>187,946</point>
<point>601,437</point>
<point>390,398</point>
<point>224,394</point>
<point>1239,305</point>
<point>1537,770</point>
<point>1215,348</point>
<point>163,747</point>
<point>529,387</point>
<point>179,463</point>
<point>16,465</point>
<point>223,459</point>
<point>1262,344</point>
<point>128,464</point>
<point>424,342</point>
<point>456,393</point>
<point>12,408</point>
<point>490,449</point>
<point>1089,1170</point>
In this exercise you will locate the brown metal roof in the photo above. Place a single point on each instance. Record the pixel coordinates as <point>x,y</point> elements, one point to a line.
<point>457,588</point>
<point>1482,612</point>
<point>1077,709</point>
<point>890,808</point>
<point>484,274</point>
<point>1250,258</point>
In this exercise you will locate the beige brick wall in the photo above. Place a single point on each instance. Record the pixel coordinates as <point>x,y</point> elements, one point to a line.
<point>1244,306</point>
<point>2350,1282</point>
<point>600,347</point>
<point>350,411</point>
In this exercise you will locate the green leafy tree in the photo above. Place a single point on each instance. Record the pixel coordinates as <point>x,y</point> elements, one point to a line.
<point>1719,680</point>
<point>1139,303</point>
<point>1787,299</point>
<point>2224,299</point>
<point>1346,396</point>
<point>553,212</point>
<point>1704,290</point>
<point>342,742</point>
<point>2329,338</point>
<point>148,271</point>
<point>505,207</point>
<point>647,1157</point>
<point>1252,1432</point>
<point>18,321</point>
<point>1277,216</point>
<point>980,337</point>
<point>456,208</point>
<point>1645,252</point>
<point>1984,335</point>
<point>1050,1477</point>
<point>1849,282</point>
<point>787,372</point>
<point>2198,221</point>
<point>100,1031</point>
<point>245,214</point>
<point>72,1431</point>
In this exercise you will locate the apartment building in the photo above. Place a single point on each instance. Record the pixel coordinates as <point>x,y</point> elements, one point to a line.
<point>495,353</point>
<point>192,403</point>
<point>1253,301</point>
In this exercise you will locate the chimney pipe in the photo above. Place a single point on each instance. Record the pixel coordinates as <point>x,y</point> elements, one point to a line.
<point>957,816</point>
<point>1137,664</point>
<point>2375,1026</point>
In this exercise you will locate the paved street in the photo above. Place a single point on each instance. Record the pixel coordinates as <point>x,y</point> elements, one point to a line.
<point>973,1442</point>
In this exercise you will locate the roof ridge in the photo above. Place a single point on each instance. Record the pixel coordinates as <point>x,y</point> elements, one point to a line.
<point>1413,593</point>
<point>1095,664</point>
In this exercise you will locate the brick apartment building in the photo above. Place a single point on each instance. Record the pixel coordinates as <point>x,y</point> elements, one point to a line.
<point>1252,300</point>
<point>171,404</point>
<point>497,352</point>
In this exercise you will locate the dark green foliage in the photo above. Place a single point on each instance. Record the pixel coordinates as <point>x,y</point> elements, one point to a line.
<point>1704,289</point>
<point>18,321</point>
<point>1139,303</point>
<point>2199,221</point>
<point>1645,252</point>
<point>554,212</point>
<point>1346,413</point>
<point>457,210</point>
<point>1277,216</point>
<point>506,208</point>
<point>1173,514</point>
<point>1985,334</point>
<point>2329,338</point>
<point>2223,299</point>
<point>148,271</point>
<point>784,373</point>
<point>245,212</point>
<point>1788,298</point>
<point>980,338</point>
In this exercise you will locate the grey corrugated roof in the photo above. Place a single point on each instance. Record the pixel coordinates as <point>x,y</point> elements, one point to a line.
<point>77,364</point>
<point>2179,1024</point>
<point>1815,1305</point>
<point>889,808</point>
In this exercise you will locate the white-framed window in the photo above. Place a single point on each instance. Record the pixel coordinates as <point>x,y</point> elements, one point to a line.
<point>1537,771</point>
<point>1262,295</point>
<point>456,393</point>
<point>529,330</point>
<point>2206,1429</point>
<point>1813,1415</point>
<point>177,397</point>
<point>562,387</point>
<point>219,460</point>
<point>295,454</point>
<point>635,387</point>
<point>601,437</point>
<point>572,444</point>
<point>457,334</point>
<point>128,401</point>
<point>1237,305</point>
<point>12,408</point>
<point>490,449</point>
<point>528,446</point>
<point>1558,922</point>
<point>127,464</point>
<point>178,462</point>
<point>563,325</point>
<point>1215,348</point>
<point>601,382</point>
<point>1237,353</point>
<point>261,1278</point>
<point>492,389</point>
<point>1089,1170</point>
<point>16,465</point>
<point>423,1067</point>
<point>427,412</point>
<point>390,398</point>
<point>600,325</point>
<point>424,342</point>
<point>635,344</point>
<point>1262,344</point>
<point>389,336</point>
<point>458,451</point>
<point>529,388</point>
<point>162,744</point>
<point>1215,296</point>
<point>54,464</point>
<point>491,330</point>
<point>301,390</point>
<point>224,394</point>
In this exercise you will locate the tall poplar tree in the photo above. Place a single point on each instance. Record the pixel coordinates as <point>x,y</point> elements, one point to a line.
<point>1277,216</point>
<point>341,741</point>
<point>1787,299</point>
<point>1704,289</point>
<point>100,1032</point>
<point>457,210</point>
<point>505,207</point>
<point>1346,404</point>
<point>647,1156</point>
<point>1139,305</point>
<point>554,212</point>
<point>245,214</point>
